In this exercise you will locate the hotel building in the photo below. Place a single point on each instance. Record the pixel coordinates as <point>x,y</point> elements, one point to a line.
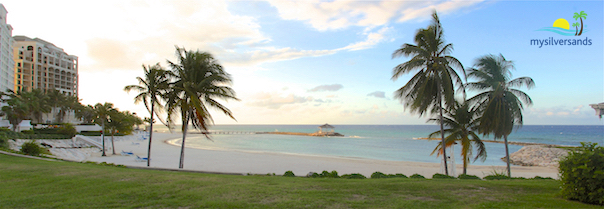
<point>40,64</point>
<point>7,64</point>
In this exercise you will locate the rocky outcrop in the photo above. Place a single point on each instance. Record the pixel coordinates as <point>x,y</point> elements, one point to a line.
<point>535,155</point>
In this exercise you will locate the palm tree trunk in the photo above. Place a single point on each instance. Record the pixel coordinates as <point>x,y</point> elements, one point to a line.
<point>442,133</point>
<point>150,133</point>
<point>103,137</point>
<point>112,143</point>
<point>507,155</point>
<point>182,148</point>
<point>581,31</point>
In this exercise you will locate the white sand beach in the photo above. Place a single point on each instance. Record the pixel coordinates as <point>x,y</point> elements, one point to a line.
<point>164,155</point>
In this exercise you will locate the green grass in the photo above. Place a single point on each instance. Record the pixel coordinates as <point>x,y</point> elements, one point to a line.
<point>31,183</point>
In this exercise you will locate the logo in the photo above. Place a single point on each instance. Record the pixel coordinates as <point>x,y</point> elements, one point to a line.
<point>562,27</point>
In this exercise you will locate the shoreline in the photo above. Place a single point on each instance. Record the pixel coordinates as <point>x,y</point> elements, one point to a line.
<point>166,156</point>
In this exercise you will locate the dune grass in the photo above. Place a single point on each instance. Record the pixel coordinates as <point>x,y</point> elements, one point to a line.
<point>31,183</point>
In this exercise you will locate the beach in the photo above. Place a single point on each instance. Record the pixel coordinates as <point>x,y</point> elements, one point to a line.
<point>166,156</point>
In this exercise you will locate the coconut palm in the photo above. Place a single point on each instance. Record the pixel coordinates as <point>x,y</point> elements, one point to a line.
<point>198,81</point>
<point>37,103</point>
<point>101,113</point>
<point>576,25</point>
<point>150,88</point>
<point>580,16</point>
<point>499,103</point>
<point>434,81</point>
<point>461,122</point>
<point>15,110</point>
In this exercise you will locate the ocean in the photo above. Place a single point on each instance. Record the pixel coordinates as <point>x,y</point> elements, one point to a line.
<point>379,142</point>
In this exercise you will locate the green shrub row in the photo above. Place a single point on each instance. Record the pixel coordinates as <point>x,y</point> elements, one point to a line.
<point>378,175</point>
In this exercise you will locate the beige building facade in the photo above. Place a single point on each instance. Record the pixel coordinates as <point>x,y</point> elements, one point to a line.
<point>40,64</point>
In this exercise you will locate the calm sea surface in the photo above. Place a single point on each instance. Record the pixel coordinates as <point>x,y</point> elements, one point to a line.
<point>380,142</point>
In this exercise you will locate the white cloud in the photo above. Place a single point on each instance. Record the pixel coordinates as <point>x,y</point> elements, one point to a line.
<point>275,100</point>
<point>378,94</point>
<point>332,87</point>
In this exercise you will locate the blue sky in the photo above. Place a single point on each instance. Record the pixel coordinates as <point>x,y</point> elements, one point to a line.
<point>311,62</point>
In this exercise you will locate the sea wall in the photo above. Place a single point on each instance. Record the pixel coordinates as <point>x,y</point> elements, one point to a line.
<point>536,155</point>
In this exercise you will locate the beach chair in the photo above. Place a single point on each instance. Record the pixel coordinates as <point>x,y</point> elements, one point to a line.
<point>124,153</point>
<point>141,159</point>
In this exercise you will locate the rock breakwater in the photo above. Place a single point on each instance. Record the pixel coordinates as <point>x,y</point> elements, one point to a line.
<point>536,155</point>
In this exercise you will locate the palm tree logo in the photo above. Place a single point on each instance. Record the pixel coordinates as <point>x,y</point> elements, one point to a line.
<point>580,16</point>
<point>562,27</point>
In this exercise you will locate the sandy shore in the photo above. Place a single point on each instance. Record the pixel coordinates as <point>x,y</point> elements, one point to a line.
<point>164,155</point>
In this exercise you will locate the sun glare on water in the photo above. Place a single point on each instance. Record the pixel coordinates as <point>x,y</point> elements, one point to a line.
<point>561,23</point>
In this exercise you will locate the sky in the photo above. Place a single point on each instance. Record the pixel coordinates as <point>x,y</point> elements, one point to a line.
<point>316,62</point>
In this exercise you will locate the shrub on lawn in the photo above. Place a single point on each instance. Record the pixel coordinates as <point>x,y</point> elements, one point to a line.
<point>68,130</point>
<point>378,175</point>
<point>442,176</point>
<point>466,176</point>
<point>289,174</point>
<point>353,176</point>
<point>32,148</point>
<point>417,176</point>
<point>582,174</point>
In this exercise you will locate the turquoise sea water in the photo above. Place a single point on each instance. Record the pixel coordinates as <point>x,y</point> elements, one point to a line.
<point>381,142</point>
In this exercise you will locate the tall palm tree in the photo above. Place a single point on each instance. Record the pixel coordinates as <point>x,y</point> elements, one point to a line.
<point>580,16</point>
<point>576,25</point>
<point>150,88</point>
<point>434,81</point>
<point>198,81</point>
<point>461,122</point>
<point>101,112</point>
<point>499,103</point>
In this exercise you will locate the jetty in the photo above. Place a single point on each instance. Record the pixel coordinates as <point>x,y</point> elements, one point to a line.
<point>329,131</point>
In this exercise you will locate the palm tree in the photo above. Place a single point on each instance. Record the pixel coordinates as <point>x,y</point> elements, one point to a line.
<point>151,87</point>
<point>498,102</point>
<point>461,122</point>
<point>16,109</point>
<point>576,25</point>
<point>580,16</point>
<point>101,112</point>
<point>198,81</point>
<point>37,103</point>
<point>433,83</point>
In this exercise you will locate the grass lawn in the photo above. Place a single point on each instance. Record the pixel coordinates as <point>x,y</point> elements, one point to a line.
<point>31,183</point>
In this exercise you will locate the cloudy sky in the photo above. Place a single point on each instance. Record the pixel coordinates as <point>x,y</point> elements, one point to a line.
<point>314,62</point>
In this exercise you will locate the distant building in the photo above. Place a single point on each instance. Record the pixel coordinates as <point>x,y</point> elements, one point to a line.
<point>7,64</point>
<point>40,64</point>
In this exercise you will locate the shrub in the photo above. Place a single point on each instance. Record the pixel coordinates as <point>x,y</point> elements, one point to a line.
<point>442,176</point>
<point>417,176</point>
<point>378,175</point>
<point>32,148</point>
<point>496,177</point>
<point>466,176</point>
<point>289,174</point>
<point>582,174</point>
<point>325,174</point>
<point>91,133</point>
<point>67,130</point>
<point>28,131</point>
<point>354,176</point>
<point>3,142</point>
<point>542,178</point>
